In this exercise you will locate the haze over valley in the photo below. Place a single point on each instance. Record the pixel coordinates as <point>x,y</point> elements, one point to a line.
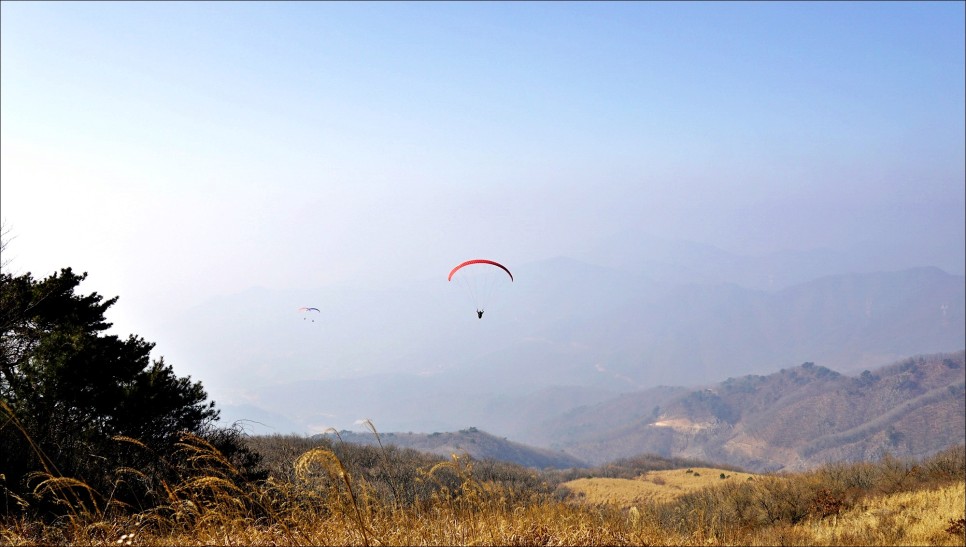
<point>566,334</point>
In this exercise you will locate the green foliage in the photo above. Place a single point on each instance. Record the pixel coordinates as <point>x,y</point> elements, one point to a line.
<point>69,391</point>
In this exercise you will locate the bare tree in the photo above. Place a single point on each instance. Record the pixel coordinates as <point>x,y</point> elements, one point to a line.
<point>4,240</point>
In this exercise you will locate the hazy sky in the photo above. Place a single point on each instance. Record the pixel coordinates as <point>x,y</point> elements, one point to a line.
<point>182,150</point>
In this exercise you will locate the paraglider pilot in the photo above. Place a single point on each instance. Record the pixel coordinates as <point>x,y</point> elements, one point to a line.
<point>479,313</point>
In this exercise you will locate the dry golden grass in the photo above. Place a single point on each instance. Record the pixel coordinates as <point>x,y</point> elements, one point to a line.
<point>325,502</point>
<point>650,487</point>
<point>900,519</point>
<point>907,518</point>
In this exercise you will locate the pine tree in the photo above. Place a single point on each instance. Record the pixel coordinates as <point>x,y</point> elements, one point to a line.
<point>68,389</point>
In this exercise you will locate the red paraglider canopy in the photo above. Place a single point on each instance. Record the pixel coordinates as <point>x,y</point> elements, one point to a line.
<point>479,261</point>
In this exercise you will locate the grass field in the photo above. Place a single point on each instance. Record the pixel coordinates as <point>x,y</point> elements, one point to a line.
<point>650,486</point>
<point>349,495</point>
<point>907,518</point>
<point>921,517</point>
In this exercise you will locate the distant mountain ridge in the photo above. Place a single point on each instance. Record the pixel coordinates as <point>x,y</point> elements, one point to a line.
<point>794,419</point>
<point>845,322</point>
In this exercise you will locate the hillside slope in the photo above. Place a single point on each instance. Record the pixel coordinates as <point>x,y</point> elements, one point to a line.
<point>478,444</point>
<point>794,419</point>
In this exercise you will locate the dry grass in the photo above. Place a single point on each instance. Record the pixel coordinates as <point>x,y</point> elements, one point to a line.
<point>650,487</point>
<point>908,518</point>
<point>321,500</point>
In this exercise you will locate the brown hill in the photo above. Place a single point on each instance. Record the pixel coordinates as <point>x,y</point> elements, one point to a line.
<point>478,444</point>
<point>794,419</point>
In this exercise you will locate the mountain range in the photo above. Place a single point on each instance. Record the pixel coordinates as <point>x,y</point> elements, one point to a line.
<point>792,420</point>
<point>568,333</point>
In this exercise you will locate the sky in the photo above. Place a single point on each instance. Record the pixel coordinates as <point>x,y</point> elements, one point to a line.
<point>178,151</point>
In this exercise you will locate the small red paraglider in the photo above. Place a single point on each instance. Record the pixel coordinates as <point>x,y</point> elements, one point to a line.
<point>480,279</point>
